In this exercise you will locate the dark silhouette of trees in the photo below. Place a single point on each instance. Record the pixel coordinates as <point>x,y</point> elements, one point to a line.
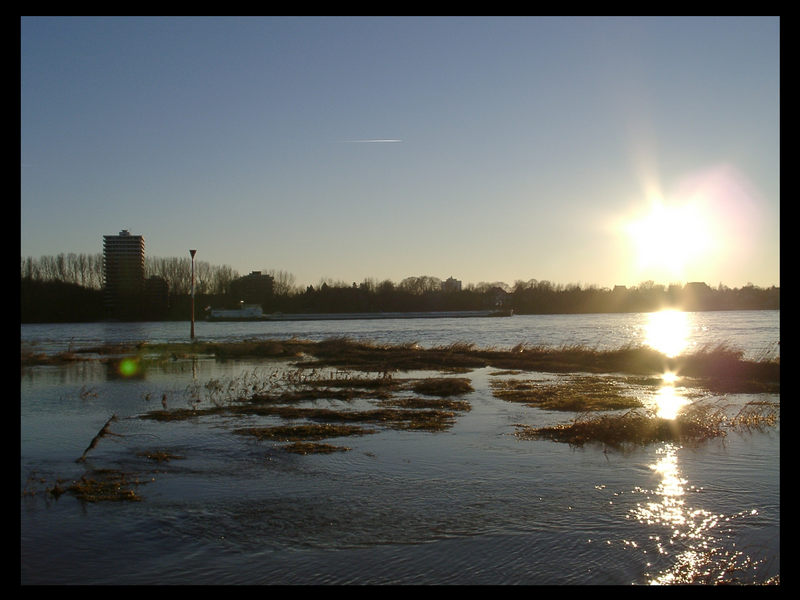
<point>68,287</point>
<point>53,301</point>
<point>543,297</point>
<point>85,270</point>
<point>177,272</point>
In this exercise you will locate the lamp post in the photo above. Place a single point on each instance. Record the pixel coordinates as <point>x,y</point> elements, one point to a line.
<point>192,253</point>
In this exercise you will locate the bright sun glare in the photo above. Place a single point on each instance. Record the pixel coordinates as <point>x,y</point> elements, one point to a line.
<point>669,238</point>
<point>667,331</point>
<point>669,402</point>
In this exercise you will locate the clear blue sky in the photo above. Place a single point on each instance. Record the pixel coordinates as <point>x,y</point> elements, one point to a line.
<point>596,151</point>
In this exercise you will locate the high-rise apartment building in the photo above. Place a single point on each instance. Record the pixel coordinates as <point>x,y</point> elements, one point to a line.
<point>123,273</point>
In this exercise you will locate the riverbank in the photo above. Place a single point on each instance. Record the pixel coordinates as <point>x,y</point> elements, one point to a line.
<point>445,314</point>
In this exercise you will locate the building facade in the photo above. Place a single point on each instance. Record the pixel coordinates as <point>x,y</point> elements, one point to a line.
<point>123,274</point>
<point>451,285</point>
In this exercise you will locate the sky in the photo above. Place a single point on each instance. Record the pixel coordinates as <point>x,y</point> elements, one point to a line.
<point>592,151</point>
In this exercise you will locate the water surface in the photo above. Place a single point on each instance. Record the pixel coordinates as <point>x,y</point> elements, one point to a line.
<point>469,505</point>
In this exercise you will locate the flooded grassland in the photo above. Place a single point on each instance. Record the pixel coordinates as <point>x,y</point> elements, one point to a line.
<point>290,461</point>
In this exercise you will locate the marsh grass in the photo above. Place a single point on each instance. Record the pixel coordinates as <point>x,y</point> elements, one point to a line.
<point>721,368</point>
<point>442,386</point>
<point>304,432</point>
<point>425,403</point>
<point>102,485</point>
<point>698,422</point>
<point>330,371</point>
<point>757,416</point>
<point>289,386</point>
<point>282,393</point>
<point>420,415</point>
<point>580,394</point>
<point>337,372</point>
<point>390,418</point>
<point>29,357</point>
<point>159,456</point>
<point>313,448</point>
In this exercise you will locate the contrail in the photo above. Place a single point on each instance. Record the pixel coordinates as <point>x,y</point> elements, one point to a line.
<point>373,141</point>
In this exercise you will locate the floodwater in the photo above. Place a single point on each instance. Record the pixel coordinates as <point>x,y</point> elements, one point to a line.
<point>472,504</point>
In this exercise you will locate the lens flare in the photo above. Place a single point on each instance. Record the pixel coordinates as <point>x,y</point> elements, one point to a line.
<point>128,367</point>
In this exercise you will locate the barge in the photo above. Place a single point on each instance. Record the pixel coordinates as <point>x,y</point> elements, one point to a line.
<point>253,312</point>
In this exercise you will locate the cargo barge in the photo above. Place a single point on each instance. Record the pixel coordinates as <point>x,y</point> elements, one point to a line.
<point>253,312</point>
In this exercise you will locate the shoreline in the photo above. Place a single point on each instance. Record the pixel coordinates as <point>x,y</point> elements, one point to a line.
<point>448,314</point>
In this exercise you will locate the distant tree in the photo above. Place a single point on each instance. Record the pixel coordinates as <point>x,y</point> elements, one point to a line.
<point>421,284</point>
<point>80,269</point>
<point>283,282</point>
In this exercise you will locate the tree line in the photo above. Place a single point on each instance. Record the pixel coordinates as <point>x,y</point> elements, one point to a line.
<point>86,270</point>
<point>68,287</point>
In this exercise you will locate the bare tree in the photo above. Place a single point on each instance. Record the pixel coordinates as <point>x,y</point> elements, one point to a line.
<point>283,282</point>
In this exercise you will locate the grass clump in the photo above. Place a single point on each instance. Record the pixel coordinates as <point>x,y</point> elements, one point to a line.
<point>313,448</point>
<point>31,358</point>
<point>582,394</point>
<point>410,417</point>
<point>282,392</point>
<point>442,386</point>
<point>696,423</point>
<point>429,403</point>
<point>295,433</point>
<point>159,456</point>
<point>182,414</point>
<point>105,486</point>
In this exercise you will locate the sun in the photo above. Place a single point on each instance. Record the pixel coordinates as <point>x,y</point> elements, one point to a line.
<point>669,238</point>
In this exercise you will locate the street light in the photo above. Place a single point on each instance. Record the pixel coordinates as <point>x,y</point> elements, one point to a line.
<point>192,252</point>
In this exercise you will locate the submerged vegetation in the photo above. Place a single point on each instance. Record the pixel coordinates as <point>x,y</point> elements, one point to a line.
<point>295,433</point>
<point>359,381</point>
<point>586,382</point>
<point>720,368</point>
<point>577,394</point>
<point>97,485</point>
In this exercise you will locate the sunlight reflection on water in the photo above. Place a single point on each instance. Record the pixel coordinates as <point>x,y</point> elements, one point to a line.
<point>668,400</point>
<point>688,541</point>
<point>667,331</point>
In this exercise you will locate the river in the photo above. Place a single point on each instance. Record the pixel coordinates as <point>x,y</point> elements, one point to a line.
<point>472,504</point>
